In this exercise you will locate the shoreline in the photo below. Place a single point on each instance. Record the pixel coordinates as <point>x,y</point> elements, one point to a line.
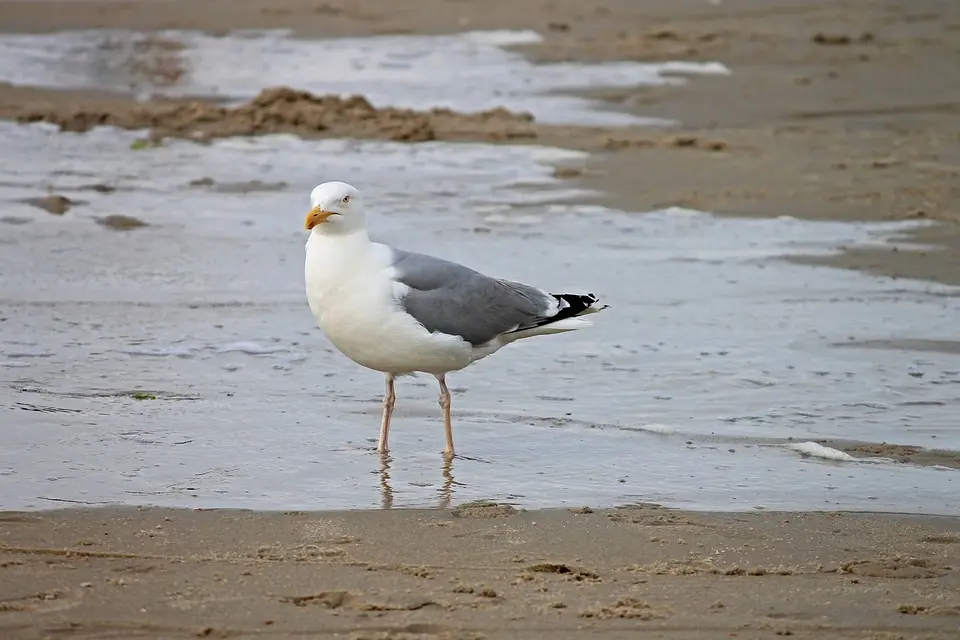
<point>815,122</point>
<point>813,147</point>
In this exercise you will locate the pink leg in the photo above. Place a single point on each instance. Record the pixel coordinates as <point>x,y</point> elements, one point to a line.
<point>445,407</point>
<point>388,399</point>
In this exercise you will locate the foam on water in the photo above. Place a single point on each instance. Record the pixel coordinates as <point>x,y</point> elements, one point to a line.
<point>817,450</point>
<point>657,428</point>
<point>468,72</point>
<point>246,347</point>
<point>252,349</point>
<point>710,332</point>
<point>162,352</point>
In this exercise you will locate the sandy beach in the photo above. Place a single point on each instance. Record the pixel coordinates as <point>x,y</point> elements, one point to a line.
<point>835,110</point>
<point>477,571</point>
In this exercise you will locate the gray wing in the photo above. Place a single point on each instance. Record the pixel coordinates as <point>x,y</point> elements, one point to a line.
<point>453,299</point>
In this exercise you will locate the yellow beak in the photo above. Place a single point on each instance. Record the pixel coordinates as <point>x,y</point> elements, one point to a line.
<point>315,217</point>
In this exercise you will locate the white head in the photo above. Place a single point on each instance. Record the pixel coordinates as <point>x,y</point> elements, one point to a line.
<point>335,207</point>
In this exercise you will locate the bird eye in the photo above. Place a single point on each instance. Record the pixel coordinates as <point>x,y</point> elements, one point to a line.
<point>346,199</point>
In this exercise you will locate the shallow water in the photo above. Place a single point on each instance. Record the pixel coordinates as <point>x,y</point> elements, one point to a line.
<point>177,363</point>
<point>468,72</point>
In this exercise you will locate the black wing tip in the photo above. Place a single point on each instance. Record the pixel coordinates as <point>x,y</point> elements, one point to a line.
<point>577,304</point>
<point>580,301</point>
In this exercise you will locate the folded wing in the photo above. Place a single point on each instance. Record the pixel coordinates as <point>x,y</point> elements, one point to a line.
<point>450,298</point>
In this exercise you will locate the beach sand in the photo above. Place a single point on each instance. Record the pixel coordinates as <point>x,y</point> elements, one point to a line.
<point>842,110</point>
<point>835,110</point>
<point>477,571</point>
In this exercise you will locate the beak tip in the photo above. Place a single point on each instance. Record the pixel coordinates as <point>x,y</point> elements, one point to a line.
<point>314,217</point>
<point>311,220</point>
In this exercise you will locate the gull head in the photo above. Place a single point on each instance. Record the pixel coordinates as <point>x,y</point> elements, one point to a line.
<point>335,207</point>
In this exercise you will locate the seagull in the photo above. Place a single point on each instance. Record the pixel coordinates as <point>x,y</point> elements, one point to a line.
<point>400,313</point>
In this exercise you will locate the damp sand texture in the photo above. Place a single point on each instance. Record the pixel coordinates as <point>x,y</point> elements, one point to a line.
<point>477,572</point>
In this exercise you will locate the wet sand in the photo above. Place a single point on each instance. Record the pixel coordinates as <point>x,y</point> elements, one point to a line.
<point>477,571</point>
<point>898,452</point>
<point>835,110</point>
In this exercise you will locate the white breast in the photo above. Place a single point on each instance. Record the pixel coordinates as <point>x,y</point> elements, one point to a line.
<point>351,294</point>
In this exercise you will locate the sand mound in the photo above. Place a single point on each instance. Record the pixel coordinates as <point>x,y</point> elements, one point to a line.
<point>279,110</point>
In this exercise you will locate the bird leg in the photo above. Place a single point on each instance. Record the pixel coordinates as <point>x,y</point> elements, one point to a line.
<point>388,399</point>
<point>445,407</point>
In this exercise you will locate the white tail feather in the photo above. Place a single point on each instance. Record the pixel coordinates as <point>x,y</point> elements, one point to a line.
<point>561,326</point>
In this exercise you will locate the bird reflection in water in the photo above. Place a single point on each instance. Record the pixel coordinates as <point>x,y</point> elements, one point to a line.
<point>386,491</point>
<point>445,492</point>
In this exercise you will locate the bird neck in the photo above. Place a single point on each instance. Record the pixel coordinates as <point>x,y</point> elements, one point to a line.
<point>332,262</point>
<point>340,242</point>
